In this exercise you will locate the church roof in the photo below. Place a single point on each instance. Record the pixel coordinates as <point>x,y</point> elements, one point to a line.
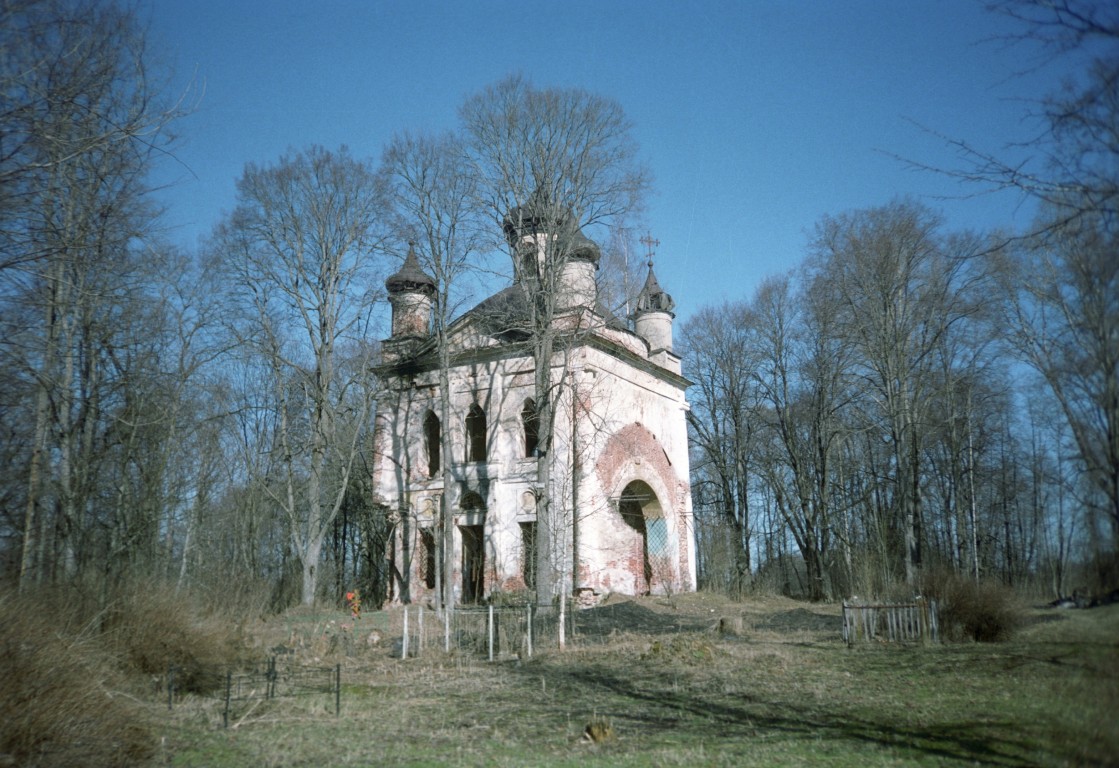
<point>653,298</point>
<point>539,215</point>
<point>410,277</point>
<point>507,314</point>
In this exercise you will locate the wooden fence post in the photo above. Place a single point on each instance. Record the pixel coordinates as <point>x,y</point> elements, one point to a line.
<point>528,628</point>
<point>490,628</point>
<point>228,694</point>
<point>404,645</point>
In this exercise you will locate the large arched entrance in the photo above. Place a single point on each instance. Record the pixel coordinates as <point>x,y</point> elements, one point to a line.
<point>642,512</point>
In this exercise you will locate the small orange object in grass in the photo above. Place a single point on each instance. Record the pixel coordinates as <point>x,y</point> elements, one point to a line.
<point>353,600</point>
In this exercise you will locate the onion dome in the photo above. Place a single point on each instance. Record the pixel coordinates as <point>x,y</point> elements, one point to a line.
<point>540,216</point>
<point>410,278</point>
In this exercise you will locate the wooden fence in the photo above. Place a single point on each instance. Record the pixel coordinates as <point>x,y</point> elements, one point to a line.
<point>891,622</point>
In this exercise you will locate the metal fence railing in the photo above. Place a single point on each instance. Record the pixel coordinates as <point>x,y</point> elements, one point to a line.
<point>269,679</point>
<point>492,631</point>
<point>520,630</point>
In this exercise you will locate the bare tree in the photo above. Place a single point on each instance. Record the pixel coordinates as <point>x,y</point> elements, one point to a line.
<point>901,286</point>
<point>432,198</point>
<point>723,421</point>
<point>547,163</point>
<point>1073,155</point>
<point>80,122</point>
<point>1063,299</point>
<point>298,250</point>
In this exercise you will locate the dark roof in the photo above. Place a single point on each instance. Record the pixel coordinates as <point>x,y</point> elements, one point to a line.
<point>539,214</point>
<point>410,277</point>
<point>507,314</point>
<point>653,298</point>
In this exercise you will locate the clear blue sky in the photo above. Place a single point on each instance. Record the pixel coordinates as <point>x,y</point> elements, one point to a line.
<point>755,118</point>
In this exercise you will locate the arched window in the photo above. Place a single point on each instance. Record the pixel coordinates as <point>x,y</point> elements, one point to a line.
<point>531,426</point>
<point>433,442</point>
<point>476,434</point>
<point>473,534</point>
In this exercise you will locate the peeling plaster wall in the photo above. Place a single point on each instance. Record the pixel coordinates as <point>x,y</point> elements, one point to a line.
<point>628,425</point>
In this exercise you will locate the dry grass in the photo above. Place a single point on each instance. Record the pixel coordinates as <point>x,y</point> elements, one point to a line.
<point>150,628</point>
<point>64,702</point>
<point>78,677</point>
<point>655,681</point>
<point>670,689</point>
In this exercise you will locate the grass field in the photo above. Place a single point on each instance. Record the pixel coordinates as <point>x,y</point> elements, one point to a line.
<point>669,690</point>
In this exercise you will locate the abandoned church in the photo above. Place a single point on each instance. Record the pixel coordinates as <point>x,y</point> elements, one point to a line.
<point>490,499</point>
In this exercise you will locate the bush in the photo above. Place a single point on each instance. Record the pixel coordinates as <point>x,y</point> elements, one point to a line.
<point>153,628</point>
<point>61,704</point>
<point>985,612</point>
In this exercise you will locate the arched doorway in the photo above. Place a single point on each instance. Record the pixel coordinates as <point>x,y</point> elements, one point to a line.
<point>641,511</point>
<point>473,535</point>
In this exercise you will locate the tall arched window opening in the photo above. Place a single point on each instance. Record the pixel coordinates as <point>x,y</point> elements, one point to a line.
<point>529,421</point>
<point>433,443</point>
<point>473,510</point>
<point>476,434</point>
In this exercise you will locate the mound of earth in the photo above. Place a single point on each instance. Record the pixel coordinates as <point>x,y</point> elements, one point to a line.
<point>699,611</point>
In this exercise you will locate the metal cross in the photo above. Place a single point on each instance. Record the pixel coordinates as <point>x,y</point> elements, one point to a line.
<point>649,243</point>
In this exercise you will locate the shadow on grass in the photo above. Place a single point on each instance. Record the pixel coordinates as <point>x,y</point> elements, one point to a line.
<point>605,620</point>
<point>803,620</point>
<point>650,704</point>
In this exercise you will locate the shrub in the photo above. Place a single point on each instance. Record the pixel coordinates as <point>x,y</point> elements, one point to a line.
<point>61,705</point>
<point>152,628</point>
<point>985,612</point>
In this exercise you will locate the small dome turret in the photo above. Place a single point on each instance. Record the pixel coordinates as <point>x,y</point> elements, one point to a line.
<point>411,292</point>
<point>652,316</point>
<point>653,298</point>
<point>410,278</point>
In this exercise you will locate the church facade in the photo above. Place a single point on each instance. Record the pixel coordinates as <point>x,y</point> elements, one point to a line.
<point>619,514</point>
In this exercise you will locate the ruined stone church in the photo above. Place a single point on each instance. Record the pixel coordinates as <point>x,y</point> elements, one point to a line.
<point>620,516</point>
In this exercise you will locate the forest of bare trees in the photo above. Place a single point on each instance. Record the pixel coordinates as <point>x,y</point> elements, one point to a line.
<point>908,398</point>
<point>911,398</point>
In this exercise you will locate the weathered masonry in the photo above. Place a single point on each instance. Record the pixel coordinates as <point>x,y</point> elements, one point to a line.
<point>620,516</point>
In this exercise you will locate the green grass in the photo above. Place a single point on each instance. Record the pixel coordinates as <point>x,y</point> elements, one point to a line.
<point>787,692</point>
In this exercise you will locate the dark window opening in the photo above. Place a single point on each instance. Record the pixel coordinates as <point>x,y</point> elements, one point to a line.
<point>427,558</point>
<point>433,443</point>
<point>476,434</point>
<point>473,563</point>
<point>528,554</point>
<point>529,420</point>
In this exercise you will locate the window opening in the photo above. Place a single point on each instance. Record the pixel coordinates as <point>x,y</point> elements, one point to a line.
<point>427,557</point>
<point>529,421</point>
<point>528,554</point>
<point>433,443</point>
<point>476,434</point>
